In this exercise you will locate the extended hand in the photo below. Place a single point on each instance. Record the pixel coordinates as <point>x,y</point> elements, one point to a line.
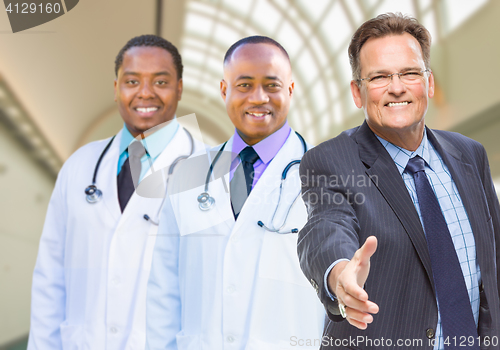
<point>346,280</point>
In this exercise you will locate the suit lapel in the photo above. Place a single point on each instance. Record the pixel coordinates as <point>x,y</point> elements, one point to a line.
<point>379,165</point>
<point>468,185</point>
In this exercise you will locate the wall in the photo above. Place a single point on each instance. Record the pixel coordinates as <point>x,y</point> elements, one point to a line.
<point>26,190</point>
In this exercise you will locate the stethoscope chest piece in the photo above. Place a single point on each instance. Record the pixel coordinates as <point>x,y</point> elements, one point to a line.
<point>205,201</point>
<point>94,195</point>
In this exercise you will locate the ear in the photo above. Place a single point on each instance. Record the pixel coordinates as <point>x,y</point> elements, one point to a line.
<point>116,83</point>
<point>431,85</point>
<point>223,89</point>
<point>291,87</point>
<point>179,89</point>
<point>356,94</point>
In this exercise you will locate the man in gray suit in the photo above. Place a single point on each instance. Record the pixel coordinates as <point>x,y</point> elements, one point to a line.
<point>402,241</point>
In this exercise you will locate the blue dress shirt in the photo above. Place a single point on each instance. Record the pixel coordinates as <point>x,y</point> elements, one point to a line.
<point>453,211</point>
<point>154,145</point>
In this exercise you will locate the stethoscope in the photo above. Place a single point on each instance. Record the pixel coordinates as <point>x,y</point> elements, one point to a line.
<point>206,201</point>
<point>94,194</point>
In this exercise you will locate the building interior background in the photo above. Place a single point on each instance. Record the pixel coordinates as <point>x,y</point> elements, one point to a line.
<point>56,91</point>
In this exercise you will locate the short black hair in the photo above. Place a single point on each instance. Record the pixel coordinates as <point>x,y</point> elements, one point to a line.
<point>256,39</point>
<point>152,41</point>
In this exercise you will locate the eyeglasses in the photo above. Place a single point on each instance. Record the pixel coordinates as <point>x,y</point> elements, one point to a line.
<point>407,78</point>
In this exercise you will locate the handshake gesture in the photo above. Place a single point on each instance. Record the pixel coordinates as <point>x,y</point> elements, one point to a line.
<point>346,281</point>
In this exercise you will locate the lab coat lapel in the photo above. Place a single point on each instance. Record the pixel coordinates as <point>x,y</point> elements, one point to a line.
<point>221,186</point>
<point>189,183</point>
<point>263,199</point>
<point>152,189</point>
<point>107,180</point>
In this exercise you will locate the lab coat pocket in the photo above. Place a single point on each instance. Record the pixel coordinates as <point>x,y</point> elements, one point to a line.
<point>188,342</point>
<point>71,336</point>
<point>279,260</point>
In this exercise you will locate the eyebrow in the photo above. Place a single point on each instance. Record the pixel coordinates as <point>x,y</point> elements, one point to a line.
<point>384,71</point>
<point>247,77</point>
<point>410,68</point>
<point>155,74</point>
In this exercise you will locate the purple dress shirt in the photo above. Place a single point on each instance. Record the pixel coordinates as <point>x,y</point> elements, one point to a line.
<point>266,149</point>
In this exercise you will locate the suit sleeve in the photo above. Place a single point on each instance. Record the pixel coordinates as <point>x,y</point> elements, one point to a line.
<point>48,293</point>
<point>331,232</point>
<point>494,208</point>
<point>163,306</point>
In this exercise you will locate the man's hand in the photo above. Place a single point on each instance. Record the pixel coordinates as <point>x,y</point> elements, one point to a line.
<point>346,280</point>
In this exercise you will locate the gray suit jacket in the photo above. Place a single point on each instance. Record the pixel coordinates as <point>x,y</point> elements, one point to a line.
<point>353,190</point>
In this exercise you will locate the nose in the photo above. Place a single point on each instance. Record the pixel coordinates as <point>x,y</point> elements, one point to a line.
<point>146,91</point>
<point>258,96</point>
<point>396,86</point>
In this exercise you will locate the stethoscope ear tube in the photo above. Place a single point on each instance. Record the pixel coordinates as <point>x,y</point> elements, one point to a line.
<point>170,172</point>
<point>261,224</point>
<point>94,194</point>
<point>206,202</point>
<point>283,178</point>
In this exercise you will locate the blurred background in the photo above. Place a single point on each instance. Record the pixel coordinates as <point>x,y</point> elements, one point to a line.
<point>56,91</point>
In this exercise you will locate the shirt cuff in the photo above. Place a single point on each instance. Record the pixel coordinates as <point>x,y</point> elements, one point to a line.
<point>333,297</point>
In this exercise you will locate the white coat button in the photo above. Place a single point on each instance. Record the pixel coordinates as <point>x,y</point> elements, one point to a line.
<point>116,281</point>
<point>113,330</point>
<point>231,289</point>
<point>230,339</point>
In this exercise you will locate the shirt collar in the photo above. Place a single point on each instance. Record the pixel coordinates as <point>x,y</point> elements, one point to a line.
<point>154,143</point>
<point>401,156</point>
<point>267,148</point>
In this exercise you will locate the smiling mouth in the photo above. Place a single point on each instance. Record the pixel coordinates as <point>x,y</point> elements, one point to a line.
<point>397,104</point>
<point>146,109</point>
<point>258,114</point>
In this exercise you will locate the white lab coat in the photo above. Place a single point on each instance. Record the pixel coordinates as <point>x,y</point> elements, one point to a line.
<point>240,286</point>
<point>90,279</point>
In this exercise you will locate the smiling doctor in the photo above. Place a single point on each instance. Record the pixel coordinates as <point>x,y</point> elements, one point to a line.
<point>227,250</point>
<point>89,283</point>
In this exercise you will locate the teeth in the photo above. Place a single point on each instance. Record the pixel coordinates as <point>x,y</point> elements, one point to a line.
<point>393,104</point>
<point>147,110</point>
<point>258,114</point>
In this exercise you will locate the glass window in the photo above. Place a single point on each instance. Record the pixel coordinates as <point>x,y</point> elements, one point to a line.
<point>458,11</point>
<point>266,16</point>
<point>199,24</point>
<point>314,12</point>
<point>336,27</point>
<point>403,6</point>
<point>290,39</point>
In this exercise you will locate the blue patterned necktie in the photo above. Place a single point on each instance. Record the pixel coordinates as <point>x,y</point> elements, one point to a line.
<point>457,319</point>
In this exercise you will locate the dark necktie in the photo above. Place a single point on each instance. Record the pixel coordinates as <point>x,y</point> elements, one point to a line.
<point>241,183</point>
<point>457,319</point>
<point>128,178</point>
